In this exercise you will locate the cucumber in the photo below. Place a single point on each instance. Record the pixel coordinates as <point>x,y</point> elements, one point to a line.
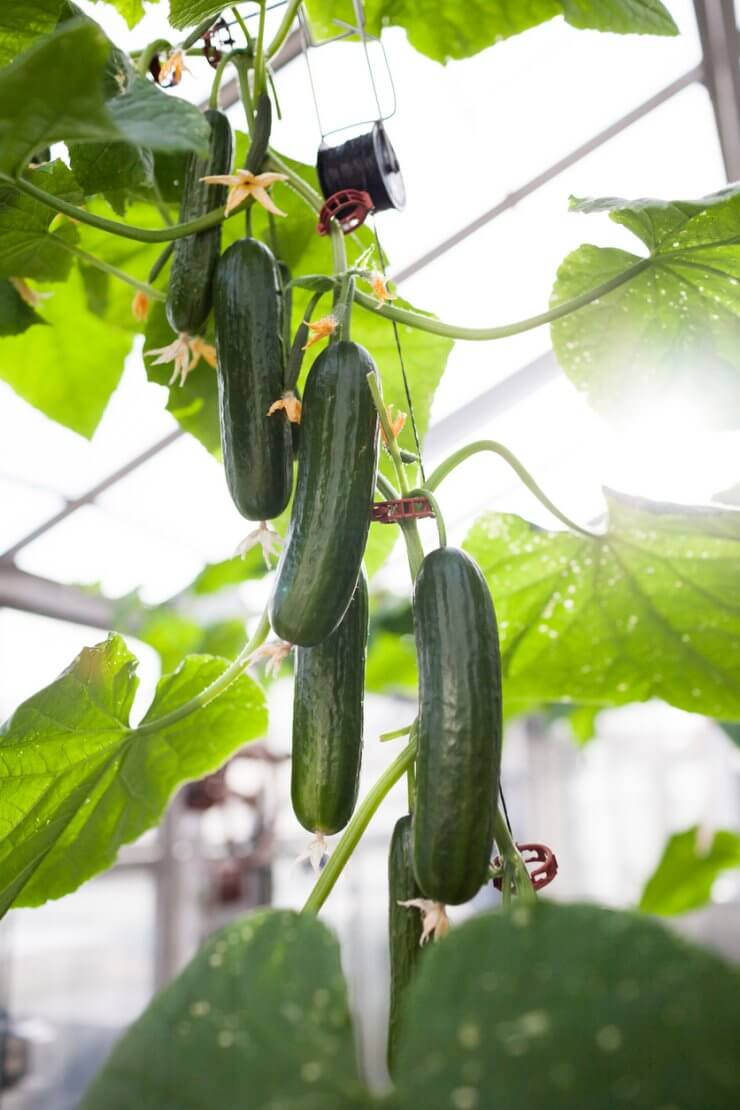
<point>328,699</point>
<point>404,924</point>
<point>256,447</point>
<point>322,556</point>
<point>195,257</point>
<point>459,726</point>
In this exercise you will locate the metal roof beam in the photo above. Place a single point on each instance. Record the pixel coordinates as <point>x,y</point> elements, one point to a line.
<point>719,41</point>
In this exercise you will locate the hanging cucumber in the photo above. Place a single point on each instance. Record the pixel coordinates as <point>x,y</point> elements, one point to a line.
<point>323,551</point>
<point>195,257</point>
<point>256,447</point>
<point>327,722</point>
<point>403,924</point>
<point>459,726</point>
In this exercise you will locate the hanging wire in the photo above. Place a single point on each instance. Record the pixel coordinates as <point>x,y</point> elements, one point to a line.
<point>503,806</point>
<point>406,386</point>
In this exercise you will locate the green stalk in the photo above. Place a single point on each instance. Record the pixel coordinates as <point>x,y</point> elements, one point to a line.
<point>259,58</point>
<point>439,519</point>
<point>453,331</point>
<point>360,820</point>
<point>125,231</point>
<point>241,63</point>
<point>145,58</point>
<point>242,24</point>
<point>396,733</point>
<point>513,862</point>
<point>454,460</point>
<point>217,78</point>
<point>389,492</point>
<point>198,32</point>
<point>108,268</point>
<point>205,697</point>
<point>283,30</point>
<point>161,262</point>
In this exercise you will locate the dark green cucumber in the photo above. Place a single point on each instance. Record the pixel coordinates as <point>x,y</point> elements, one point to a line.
<point>459,726</point>
<point>328,700</point>
<point>404,924</point>
<point>256,447</point>
<point>330,519</point>
<point>195,257</point>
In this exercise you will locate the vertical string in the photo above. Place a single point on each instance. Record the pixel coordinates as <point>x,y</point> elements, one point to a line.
<point>503,806</point>
<point>406,387</point>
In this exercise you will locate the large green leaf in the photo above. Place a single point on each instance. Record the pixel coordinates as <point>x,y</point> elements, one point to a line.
<point>651,609</point>
<point>453,30</point>
<point>114,169</point>
<point>186,13</point>
<point>28,248</point>
<point>68,370</point>
<point>568,1008</point>
<point>669,338</point>
<point>131,10</point>
<point>685,875</point>
<point>148,117</point>
<point>21,23</point>
<point>77,782</point>
<point>259,1019</point>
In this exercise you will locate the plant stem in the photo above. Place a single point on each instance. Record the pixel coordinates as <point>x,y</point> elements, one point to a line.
<point>241,63</point>
<point>512,857</point>
<point>217,687</point>
<point>439,519</point>
<point>385,487</point>
<point>283,30</point>
<point>125,231</point>
<point>453,331</point>
<point>198,32</point>
<point>217,78</point>
<point>161,262</point>
<point>243,26</point>
<point>108,268</point>
<point>145,57</point>
<point>259,58</point>
<point>304,190</point>
<point>356,827</point>
<point>396,732</point>
<point>495,448</point>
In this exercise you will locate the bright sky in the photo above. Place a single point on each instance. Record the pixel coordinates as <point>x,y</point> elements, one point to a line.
<point>466,135</point>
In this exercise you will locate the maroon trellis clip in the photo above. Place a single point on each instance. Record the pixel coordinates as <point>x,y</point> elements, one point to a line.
<point>539,854</point>
<point>349,207</point>
<point>406,508</point>
<point>213,51</point>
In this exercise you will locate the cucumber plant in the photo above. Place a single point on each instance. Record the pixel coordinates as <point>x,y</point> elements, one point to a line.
<point>605,1008</point>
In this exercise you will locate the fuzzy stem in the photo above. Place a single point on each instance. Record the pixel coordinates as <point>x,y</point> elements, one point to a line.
<point>454,460</point>
<point>283,30</point>
<point>205,697</point>
<point>356,827</point>
<point>241,64</point>
<point>217,78</point>
<point>108,268</point>
<point>259,58</point>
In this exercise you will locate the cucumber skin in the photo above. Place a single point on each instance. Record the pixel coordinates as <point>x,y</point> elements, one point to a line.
<point>328,698</point>
<point>195,257</point>
<point>404,925</point>
<point>329,523</point>
<point>459,726</point>
<point>257,448</point>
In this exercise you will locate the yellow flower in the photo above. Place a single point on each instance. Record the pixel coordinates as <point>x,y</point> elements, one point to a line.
<point>380,289</point>
<point>32,297</point>
<point>327,325</point>
<point>291,404</point>
<point>140,305</point>
<point>396,424</point>
<point>173,67</point>
<point>245,184</point>
<point>200,349</point>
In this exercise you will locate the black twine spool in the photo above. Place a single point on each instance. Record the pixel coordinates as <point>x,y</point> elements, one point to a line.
<point>367,162</point>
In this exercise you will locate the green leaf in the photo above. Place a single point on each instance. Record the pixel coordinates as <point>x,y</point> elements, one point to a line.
<point>148,117</point>
<point>685,875</point>
<point>15,315</point>
<point>731,729</point>
<point>131,10</point>
<point>114,169</point>
<point>77,782</point>
<point>258,1019</point>
<point>461,30</point>
<point>21,23</point>
<point>229,572</point>
<point>69,370</point>
<point>186,13</point>
<point>651,609</point>
<point>27,246</point>
<point>391,665</point>
<point>568,1008</point>
<point>67,100</point>
<point>669,338</point>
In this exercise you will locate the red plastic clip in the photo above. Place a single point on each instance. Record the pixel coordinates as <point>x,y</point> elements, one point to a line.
<point>349,207</point>
<point>538,854</point>
<point>406,508</point>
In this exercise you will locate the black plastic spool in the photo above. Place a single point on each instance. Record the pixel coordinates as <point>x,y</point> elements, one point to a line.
<point>367,162</point>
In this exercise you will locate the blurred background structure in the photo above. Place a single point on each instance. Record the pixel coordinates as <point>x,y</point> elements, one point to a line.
<point>491,149</point>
